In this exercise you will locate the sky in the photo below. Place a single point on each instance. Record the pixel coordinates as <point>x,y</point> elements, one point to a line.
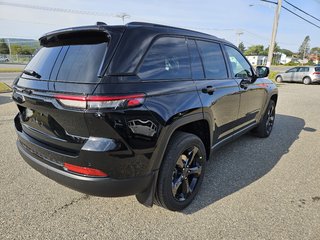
<point>222,18</point>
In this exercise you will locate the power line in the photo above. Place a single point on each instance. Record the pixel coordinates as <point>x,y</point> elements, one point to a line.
<point>54,9</point>
<point>302,10</point>
<point>301,17</point>
<point>293,13</point>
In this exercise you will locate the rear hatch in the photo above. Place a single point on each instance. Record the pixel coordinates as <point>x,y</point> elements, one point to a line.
<point>70,62</point>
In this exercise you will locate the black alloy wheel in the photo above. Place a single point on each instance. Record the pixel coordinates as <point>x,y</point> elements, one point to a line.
<point>270,118</point>
<point>181,172</point>
<point>186,173</point>
<point>265,126</point>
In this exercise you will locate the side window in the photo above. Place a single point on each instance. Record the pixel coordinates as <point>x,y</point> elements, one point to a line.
<point>168,58</point>
<point>239,65</point>
<point>213,60</point>
<point>293,70</point>
<point>304,69</point>
<point>196,65</point>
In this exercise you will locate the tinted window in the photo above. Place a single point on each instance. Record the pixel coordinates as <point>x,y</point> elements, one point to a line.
<point>304,69</point>
<point>43,62</point>
<point>317,69</point>
<point>239,66</point>
<point>293,70</point>
<point>73,63</point>
<point>213,60</point>
<point>81,63</point>
<point>196,65</point>
<point>168,58</point>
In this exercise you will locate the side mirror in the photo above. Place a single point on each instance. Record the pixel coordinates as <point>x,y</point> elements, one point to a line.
<point>262,71</point>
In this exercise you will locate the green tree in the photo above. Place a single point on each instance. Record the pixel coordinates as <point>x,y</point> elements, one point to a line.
<point>304,48</point>
<point>315,50</point>
<point>286,52</point>
<point>275,50</point>
<point>4,49</point>
<point>21,49</point>
<point>255,50</point>
<point>242,47</point>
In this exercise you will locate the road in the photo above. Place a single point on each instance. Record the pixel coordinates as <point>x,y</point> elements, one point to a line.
<point>8,77</point>
<point>253,189</point>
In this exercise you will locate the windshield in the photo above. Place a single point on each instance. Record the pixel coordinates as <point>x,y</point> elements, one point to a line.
<point>69,63</point>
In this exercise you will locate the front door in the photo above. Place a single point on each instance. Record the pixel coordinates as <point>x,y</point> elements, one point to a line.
<point>253,95</point>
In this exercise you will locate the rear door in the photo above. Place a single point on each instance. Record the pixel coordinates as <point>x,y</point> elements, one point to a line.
<point>218,92</point>
<point>302,72</point>
<point>57,71</point>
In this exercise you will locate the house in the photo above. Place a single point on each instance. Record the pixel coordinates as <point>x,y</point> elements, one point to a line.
<point>257,60</point>
<point>285,59</point>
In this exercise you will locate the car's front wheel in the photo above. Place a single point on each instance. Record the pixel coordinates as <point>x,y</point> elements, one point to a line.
<point>279,79</point>
<point>181,172</point>
<point>265,126</point>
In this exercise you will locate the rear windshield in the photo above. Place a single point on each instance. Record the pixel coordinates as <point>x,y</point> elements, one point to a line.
<point>69,63</point>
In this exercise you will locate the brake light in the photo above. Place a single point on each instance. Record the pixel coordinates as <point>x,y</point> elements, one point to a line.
<point>316,73</point>
<point>97,102</point>
<point>84,170</point>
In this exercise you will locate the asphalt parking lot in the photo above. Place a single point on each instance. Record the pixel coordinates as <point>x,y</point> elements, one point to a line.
<point>253,188</point>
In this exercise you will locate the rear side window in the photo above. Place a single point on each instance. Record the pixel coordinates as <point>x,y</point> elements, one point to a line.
<point>213,60</point>
<point>70,63</point>
<point>196,65</point>
<point>317,69</point>
<point>167,59</point>
<point>304,69</point>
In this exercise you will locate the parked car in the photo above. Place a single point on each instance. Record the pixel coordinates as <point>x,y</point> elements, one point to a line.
<point>137,109</point>
<point>304,74</point>
<point>4,59</point>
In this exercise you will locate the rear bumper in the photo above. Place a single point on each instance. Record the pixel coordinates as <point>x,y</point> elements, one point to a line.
<point>97,186</point>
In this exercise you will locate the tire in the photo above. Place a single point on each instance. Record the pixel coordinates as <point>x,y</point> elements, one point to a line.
<point>176,186</point>
<point>265,127</point>
<point>306,80</point>
<point>279,79</point>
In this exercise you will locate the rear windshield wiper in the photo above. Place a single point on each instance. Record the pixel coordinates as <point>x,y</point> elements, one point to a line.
<point>32,73</point>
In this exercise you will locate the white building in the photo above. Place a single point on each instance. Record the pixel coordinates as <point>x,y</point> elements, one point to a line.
<point>284,58</point>
<point>257,60</point>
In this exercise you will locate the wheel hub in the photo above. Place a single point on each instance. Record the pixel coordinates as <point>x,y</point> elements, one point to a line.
<point>186,173</point>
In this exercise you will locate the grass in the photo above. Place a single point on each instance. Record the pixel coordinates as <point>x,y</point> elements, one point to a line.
<point>4,88</point>
<point>3,70</point>
<point>272,75</point>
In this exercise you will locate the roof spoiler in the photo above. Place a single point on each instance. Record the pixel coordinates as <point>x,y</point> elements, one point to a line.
<point>74,36</point>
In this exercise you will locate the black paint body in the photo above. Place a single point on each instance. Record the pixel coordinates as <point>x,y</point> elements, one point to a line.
<point>54,134</point>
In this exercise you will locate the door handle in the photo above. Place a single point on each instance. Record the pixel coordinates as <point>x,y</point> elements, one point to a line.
<point>209,89</point>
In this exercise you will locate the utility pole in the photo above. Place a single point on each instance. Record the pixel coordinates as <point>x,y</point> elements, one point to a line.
<point>123,16</point>
<point>9,46</point>
<point>274,32</point>
<point>238,38</point>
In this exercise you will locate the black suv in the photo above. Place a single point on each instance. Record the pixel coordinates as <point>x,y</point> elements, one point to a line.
<point>136,109</point>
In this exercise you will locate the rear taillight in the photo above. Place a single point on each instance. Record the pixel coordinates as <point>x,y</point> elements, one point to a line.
<point>84,170</point>
<point>98,102</point>
<point>316,73</point>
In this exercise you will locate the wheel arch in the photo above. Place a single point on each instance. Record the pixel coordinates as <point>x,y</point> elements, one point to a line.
<point>274,97</point>
<point>190,124</point>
